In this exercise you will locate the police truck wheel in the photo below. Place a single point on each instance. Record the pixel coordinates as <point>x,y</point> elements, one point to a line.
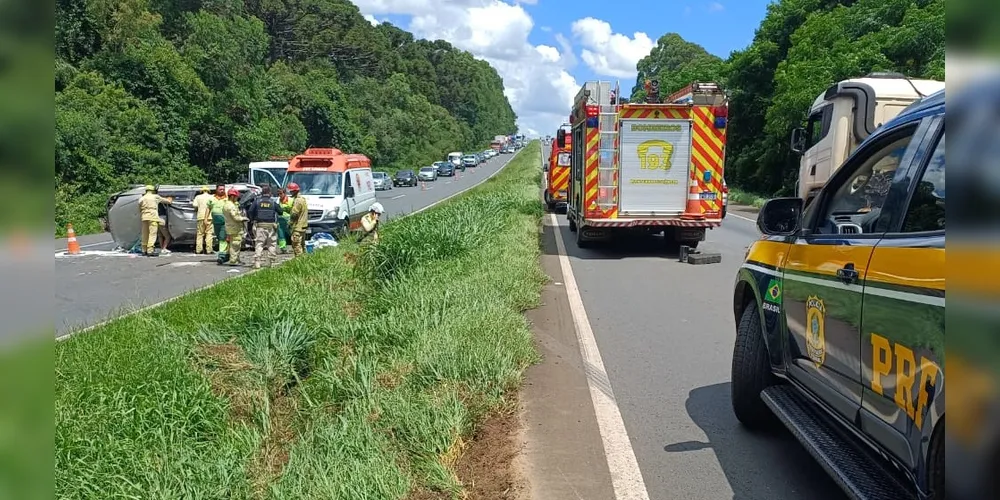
<point>751,372</point>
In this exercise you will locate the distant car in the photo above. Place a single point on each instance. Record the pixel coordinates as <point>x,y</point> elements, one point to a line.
<point>382,181</point>
<point>428,174</point>
<point>445,169</point>
<point>480,158</point>
<point>470,161</point>
<point>405,178</point>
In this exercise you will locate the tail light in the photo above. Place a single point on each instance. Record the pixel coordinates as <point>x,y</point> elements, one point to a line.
<point>721,116</point>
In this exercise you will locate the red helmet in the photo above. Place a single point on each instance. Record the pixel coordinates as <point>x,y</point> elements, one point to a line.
<point>292,187</point>
<point>234,192</point>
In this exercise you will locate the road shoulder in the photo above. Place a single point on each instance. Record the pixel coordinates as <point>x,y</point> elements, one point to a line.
<point>562,451</point>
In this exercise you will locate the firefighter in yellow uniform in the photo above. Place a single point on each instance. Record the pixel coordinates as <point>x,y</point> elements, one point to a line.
<point>149,214</point>
<point>205,232</point>
<point>299,220</point>
<point>234,226</point>
<point>369,223</point>
<point>217,207</point>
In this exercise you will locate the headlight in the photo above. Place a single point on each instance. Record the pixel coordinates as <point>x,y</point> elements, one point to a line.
<point>331,214</point>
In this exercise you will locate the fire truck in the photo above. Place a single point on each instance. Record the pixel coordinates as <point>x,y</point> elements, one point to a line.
<point>652,167</point>
<point>557,172</point>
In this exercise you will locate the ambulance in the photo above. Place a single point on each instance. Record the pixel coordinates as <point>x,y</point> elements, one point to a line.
<point>557,173</point>
<point>338,187</point>
<point>652,167</point>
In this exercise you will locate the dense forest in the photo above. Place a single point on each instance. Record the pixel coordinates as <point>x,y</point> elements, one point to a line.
<point>801,48</point>
<point>190,91</point>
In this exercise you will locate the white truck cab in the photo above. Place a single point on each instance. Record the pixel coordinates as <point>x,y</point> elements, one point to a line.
<point>455,158</point>
<point>843,116</point>
<point>270,172</point>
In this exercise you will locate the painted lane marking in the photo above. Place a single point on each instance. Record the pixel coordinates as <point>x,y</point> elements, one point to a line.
<point>397,197</point>
<point>626,478</point>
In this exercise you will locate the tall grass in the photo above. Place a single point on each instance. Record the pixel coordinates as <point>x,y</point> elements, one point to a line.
<point>353,373</point>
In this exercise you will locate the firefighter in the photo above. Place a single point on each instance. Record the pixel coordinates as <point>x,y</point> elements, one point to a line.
<point>369,223</point>
<point>217,208</point>
<point>299,219</point>
<point>234,227</point>
<point>286,213</point>
<point>264,213</point>
<point>149,214</point>
<point>205,231</point>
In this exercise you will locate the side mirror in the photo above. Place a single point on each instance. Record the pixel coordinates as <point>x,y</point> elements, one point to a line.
<point>349,191</point>
<point>561,138</point>
<point>798,142</point>
<point>780,217</point>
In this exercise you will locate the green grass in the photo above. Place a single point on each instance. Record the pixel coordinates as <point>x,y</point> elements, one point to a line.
<point>740,197</point>
<point>329,377</point>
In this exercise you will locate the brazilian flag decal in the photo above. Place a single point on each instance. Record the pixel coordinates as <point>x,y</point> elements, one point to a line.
<point>773,293</point>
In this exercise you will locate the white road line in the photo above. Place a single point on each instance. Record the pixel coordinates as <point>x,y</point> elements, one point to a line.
<point>397,197</point>
<point>86,246</point>
<point>626,478</point>
<point>742,217</point>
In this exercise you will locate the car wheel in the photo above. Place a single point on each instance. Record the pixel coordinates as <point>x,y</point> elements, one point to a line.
<point>751,372</point>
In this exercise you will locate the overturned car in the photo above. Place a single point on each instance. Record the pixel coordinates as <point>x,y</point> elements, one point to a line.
<point>123,222</point>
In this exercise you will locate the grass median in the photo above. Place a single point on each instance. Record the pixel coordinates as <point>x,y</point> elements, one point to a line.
<point>354,372</point>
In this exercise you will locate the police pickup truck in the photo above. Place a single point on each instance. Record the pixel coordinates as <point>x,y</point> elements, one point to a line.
<point>840,314</point>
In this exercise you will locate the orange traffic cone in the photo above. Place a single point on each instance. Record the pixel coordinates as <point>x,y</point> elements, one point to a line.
<point>72,247</point>
<point>692,211</point>
<point>423,185</point>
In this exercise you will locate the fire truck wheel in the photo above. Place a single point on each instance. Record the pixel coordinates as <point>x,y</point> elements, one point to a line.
<point>581,241</point>
<point>693,244</point>
<point>572,225</point>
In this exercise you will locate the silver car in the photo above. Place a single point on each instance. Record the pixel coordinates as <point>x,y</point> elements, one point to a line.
<point>427,174</point>
<point>123,213</point>
<point>382,181</point>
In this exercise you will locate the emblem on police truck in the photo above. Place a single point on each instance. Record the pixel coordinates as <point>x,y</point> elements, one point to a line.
<point>815,330</point>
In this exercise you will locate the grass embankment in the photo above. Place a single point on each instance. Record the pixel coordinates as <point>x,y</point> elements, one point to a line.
<point>350,373</point>
<point>740,197</point>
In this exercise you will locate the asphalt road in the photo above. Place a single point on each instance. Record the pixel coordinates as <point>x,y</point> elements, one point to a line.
<point>665,331</point>
<point>101,284</point>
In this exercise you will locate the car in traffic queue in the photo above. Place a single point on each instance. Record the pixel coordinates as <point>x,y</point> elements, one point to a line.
<point>470,160</point>
<point>840,314</point>
<point>445,169</point>
<point>382,181</point>
<point>427,174</point>
<point>405,178</point>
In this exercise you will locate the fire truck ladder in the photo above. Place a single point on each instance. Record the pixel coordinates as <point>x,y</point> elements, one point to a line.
<point>607,167</point>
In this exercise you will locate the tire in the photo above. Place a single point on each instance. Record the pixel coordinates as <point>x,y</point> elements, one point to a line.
<point>751,372</point>
<point>935,465</point>
<point>572,224</point>
<point>582,242</point>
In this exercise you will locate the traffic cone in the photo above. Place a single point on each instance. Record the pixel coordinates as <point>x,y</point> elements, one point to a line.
<point>423,185</point>
<point>72,246</point>
<point>692,211</point>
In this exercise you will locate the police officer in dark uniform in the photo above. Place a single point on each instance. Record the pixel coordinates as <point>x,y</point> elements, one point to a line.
<point>263,214</point>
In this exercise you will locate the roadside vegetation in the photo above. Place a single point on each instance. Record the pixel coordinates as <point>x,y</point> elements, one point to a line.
<point>151,91</point>
<point>740,197</point>
<point>800,48</point>
<point>350,373</point>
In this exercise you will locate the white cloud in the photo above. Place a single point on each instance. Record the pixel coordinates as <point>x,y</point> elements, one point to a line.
<point>370,18</point>
<point>546,29</point>
<point>536,80</point>
<point>609,53</point>
<point>716,7</point>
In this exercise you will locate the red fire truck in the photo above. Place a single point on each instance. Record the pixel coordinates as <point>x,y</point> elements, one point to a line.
<point>655,166</point>
<point>557,172</point>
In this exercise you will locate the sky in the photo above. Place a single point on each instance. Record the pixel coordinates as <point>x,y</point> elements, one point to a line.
<point>546,49</point>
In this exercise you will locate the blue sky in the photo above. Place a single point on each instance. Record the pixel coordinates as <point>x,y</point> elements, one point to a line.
<point>545,49</point>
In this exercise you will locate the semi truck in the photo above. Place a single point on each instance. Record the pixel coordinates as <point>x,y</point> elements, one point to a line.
<point>653,167</point>
<point>843,116</point>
